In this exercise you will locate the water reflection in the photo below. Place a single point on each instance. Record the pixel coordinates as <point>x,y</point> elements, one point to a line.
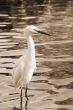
<point>52,84</point>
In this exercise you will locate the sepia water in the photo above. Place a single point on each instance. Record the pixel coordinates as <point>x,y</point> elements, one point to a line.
<point>51,87</point>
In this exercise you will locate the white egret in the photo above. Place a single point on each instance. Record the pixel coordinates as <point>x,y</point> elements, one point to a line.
<point>26,65</point>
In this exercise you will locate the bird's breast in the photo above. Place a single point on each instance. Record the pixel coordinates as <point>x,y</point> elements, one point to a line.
<point>29,68</point>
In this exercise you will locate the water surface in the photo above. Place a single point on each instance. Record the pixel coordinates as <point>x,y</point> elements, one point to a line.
<point>52,83</point>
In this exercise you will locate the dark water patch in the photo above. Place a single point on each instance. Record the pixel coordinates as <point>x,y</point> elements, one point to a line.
<point>65,102</point>
<point>6,37</point>
<point>68,86</point>
<point>37,89</point>
<point>15,108</point>
<point>13,57</point>
<point>63,109</point>
<point>52,92</point>
<point>42,81</point>
<point>6,74</point>
<point>60,74</point>
<point>61,4</point>
<point>8,100</point>
<point>7,62</point>
<point>38,2</point>
<point>13,93</point>
<point>60,69</point>
<point>56,49</point>
<point>6,5</point>
<point>9,67</point>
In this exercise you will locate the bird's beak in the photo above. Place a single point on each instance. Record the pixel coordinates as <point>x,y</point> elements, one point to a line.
<point>42,32</point>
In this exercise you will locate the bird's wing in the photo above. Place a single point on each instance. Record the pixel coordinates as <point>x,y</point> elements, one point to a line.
<point>18,74</point>
<point>22,58</point>
<point>18,71</point>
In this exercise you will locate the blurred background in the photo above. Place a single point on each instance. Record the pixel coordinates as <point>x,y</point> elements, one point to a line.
<point>51,87</point>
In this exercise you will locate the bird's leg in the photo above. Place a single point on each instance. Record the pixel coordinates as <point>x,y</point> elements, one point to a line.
<point>21,99</point>
<point>26,97</point>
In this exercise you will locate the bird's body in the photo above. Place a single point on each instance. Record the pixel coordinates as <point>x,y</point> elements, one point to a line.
<point>26,65</point>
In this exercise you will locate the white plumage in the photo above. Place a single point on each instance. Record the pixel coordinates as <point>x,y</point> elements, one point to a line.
<point>26,65</point>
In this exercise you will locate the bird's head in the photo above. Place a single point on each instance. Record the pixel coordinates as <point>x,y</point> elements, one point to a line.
<point>29,30</point>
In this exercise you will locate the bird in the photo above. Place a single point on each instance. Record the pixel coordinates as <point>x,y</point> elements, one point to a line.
<point>26,64</point>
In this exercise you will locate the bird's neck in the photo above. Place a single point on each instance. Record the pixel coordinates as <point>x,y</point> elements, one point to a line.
<point>31,46</point>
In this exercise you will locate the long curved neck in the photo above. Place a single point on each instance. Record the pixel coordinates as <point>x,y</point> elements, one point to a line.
<point>31,46</point>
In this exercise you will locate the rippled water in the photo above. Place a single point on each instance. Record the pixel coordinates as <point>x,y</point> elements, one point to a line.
<point>52,84</point>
